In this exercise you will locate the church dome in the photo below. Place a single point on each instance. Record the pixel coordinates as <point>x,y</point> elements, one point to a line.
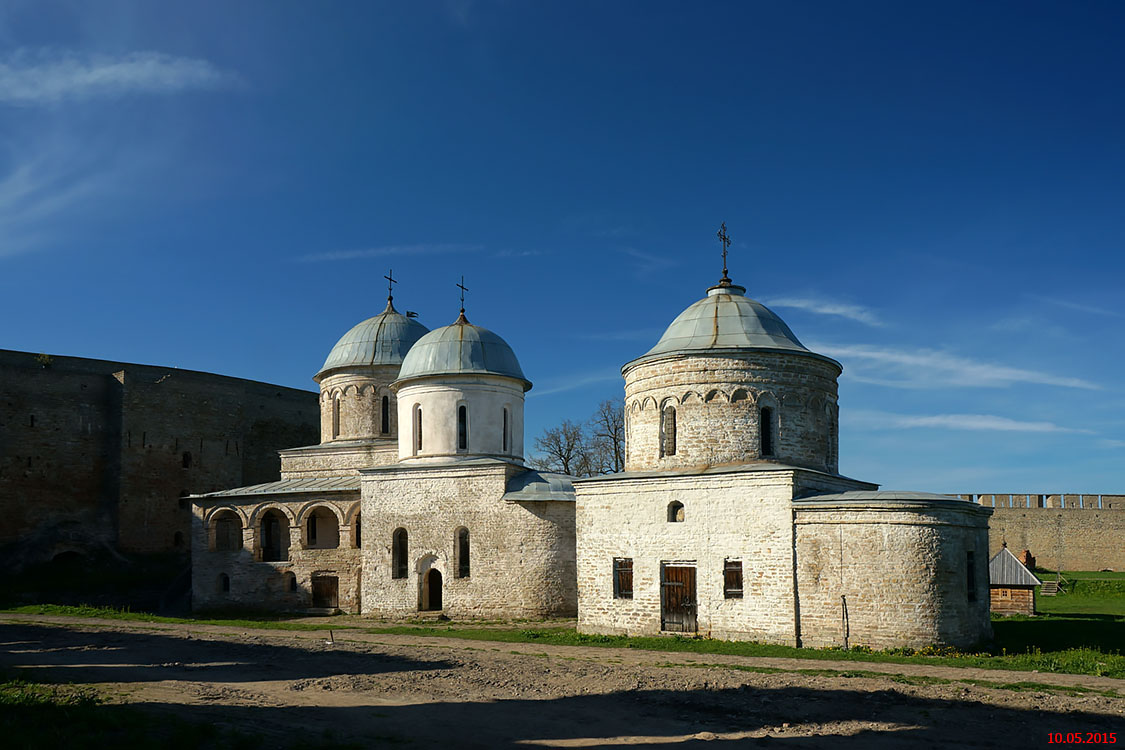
<point>382,340</point>
<point>461,349</point>
<point>726,319</point>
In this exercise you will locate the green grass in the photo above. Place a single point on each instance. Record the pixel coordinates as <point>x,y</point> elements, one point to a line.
<point>1073,660</point>
<point>238,620</point>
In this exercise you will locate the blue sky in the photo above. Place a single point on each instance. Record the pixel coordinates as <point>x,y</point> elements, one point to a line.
<point>932,194</point>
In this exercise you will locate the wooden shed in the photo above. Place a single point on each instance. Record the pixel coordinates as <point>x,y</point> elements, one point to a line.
<point>1011,585</point>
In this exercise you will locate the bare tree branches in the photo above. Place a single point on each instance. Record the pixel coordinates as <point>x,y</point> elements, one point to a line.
<point>584,450</point>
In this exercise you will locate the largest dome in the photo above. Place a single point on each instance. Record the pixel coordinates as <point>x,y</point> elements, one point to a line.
<point>382,340</point>
<point>461,349</point>
<point>726,319</point>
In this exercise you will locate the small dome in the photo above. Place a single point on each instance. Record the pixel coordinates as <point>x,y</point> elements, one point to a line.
<point>461,349</point>
<point>382,340</point>
<point>726,319</point>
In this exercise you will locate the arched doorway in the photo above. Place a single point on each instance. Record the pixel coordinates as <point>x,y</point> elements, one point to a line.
<point>431,591</point>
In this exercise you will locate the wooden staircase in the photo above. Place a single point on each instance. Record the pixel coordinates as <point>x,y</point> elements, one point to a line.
<point>1049,588</point>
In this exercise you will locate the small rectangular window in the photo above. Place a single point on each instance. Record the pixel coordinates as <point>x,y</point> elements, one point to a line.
<point>622,578</point>
<point>732,579</point>
<point>971,575</point>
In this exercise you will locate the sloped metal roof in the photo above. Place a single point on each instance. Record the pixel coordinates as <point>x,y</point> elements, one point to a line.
<point>291,487</point>
<point>382,340</point>
<point>460,349</point>
<point>538,486</point>
<point>1005,569</point>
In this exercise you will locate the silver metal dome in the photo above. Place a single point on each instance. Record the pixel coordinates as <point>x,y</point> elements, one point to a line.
<point>726,319</point>
<point>382,340</point>
<point>461,349</point>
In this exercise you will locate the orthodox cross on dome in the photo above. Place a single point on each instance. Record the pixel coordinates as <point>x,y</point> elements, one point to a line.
<point>463,289</point>
<point>391,281</point>
<point>725,240</point>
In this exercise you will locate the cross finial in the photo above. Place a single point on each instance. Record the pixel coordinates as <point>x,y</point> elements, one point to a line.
<point>725,240</point>
<point>391,281</point>
<point>463,289</point>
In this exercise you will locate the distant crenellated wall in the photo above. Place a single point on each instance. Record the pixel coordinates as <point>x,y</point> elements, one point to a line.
<point>1067,531</point>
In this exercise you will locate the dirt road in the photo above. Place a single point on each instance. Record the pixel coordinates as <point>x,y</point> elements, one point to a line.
<point>434,692</point>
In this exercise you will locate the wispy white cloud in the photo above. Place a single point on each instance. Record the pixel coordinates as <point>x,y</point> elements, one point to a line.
<point>54,185</point>
<point>50,76</point>
<point>574,382</point>
<point>974,422</point>
<point>388,250</point>
<point>647,262</point>
<point>1111,443</point>
<point>858,313</point>
<point>928,368</point>
<point>1078,306</point>
<point>518,253</point>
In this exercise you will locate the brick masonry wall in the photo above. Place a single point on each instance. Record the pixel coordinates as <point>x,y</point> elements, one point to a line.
<point>902,572</point>
<point>743,515</point>
<point>259,585</point>
<point>522,555</point>
<point>104,459</point>
<point>718,401</point>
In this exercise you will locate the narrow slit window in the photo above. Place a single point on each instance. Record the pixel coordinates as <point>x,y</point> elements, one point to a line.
<point>463,567</point>
<point>224,583</point>
<point>462,428</point>
<point>417,429</point>
<point>504,437</point>
<point>971,575</point>
<point>336,417</point>
<point>623,578</point>
<point>767,431</point>
<point>385,426</point>
<point>668,431</point>
<point>399,554</point>
<point>732,579</point>
<point>312,530</point>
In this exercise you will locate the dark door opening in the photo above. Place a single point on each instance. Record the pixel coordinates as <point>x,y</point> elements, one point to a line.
<point>272,547</point>
<point>431,591</point>
<point>677,598</point>
<point>325,592</point>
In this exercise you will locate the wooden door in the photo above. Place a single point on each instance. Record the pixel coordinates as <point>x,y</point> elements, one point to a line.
<point>677,598</point>
<point>326,592</point>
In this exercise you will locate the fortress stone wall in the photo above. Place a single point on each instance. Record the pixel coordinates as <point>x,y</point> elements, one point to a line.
<point>1067,531</point>
<point>94,452</point>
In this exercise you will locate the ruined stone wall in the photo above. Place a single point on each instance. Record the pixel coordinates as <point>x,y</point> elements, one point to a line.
<point>727,515</point>
<point>259,585</point>
<point>95,452</point>
<point>1063,531</point>
<point>522,555</point>
<point>884,576</point>
<point>718,401</point>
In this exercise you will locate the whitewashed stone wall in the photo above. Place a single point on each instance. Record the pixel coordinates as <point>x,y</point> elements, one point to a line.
<point>337,458</point>
<point>522,554</point>
<point>259,585</point>
<point>741,514</point>
<point>485,399</point>
<point>891,574</point>
<point>718,401</point>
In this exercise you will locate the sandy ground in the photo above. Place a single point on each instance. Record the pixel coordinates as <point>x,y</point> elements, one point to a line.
<point>409,691</point>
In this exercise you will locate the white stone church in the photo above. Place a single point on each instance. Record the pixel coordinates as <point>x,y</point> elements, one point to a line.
<point>731,519</point>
